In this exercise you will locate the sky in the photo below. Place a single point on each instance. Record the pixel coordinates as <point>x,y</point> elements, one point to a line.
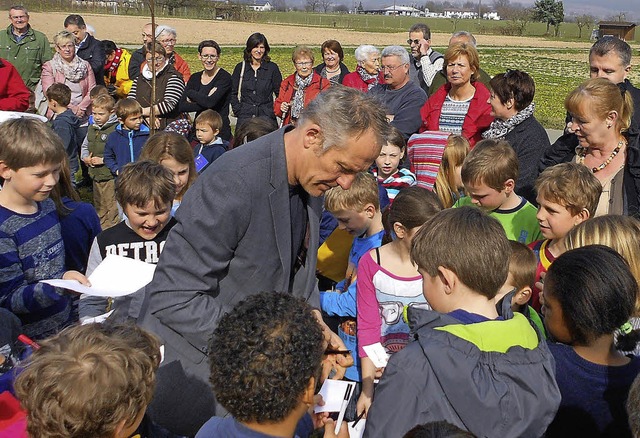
<point>595,7</point>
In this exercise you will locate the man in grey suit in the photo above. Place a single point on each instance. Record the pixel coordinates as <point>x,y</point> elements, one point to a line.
<point>250,223</point>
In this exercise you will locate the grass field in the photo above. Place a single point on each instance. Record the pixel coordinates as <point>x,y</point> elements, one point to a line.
<point>556,72</point>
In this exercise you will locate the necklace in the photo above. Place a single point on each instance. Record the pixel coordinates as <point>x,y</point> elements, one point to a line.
<point>583,153</point>
<point>332,71</point>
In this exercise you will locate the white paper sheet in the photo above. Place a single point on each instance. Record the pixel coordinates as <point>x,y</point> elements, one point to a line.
<point>332,393</point>
<point>377,354</point>
<point>358,431</point>
<point>116,276</point>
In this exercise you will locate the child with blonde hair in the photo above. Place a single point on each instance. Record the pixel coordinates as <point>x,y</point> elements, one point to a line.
<point>174,152</point>
<point>448,185</point>
<point>389,282</point>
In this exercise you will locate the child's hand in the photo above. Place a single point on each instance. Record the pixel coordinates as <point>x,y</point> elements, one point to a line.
<point>330,426</point>
<point>87,160</point>
<point>79,277</point>
<point>379,372</point>
<point>97,161</point>
<point>363,404</point>
<point>320,418</point>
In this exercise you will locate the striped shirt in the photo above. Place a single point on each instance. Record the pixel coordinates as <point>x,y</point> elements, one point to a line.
<point>394,183</point>
<point>31,249</point>
<point>453,114</point>
<point>425,155</point>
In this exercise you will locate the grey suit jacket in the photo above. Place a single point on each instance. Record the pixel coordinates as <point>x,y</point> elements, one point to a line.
<point>232,240</point>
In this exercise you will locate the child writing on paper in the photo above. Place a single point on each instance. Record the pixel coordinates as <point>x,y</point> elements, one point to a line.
<point>265,373</point>
<point>388,282</point>
<point>145,190</point>
<point>31,246</point>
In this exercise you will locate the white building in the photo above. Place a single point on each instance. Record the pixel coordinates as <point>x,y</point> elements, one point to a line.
<point>260,6</point>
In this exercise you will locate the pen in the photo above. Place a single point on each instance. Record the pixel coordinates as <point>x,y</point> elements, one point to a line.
<point>343,408</point>
<point>28,341</point>
<point>330,351</point>
<point>358,418</point>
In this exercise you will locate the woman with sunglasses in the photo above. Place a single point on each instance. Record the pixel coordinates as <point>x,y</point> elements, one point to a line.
<point>209,88</point>
<point>300,88</point>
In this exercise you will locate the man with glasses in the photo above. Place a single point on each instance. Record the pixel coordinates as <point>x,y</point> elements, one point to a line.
<point>87,47</point>
<point>401,97</point>
<point>25,48</point>
<point>137,58</point>
<point>426,62</point>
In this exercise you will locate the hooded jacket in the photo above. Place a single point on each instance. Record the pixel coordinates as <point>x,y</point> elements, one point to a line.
<point>66,125</point>
<point>492,378</point>
<point>124,146</point>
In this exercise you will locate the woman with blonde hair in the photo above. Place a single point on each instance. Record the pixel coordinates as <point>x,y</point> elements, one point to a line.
<point>622,234</point>
<point>448,185</point>
<point>600,117</point>
<point>461,105</point>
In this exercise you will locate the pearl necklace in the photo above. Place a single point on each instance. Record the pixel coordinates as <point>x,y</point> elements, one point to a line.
<point>583,153</point>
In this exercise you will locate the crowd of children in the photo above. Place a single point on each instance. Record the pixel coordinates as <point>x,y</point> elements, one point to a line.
<point>499,318</point>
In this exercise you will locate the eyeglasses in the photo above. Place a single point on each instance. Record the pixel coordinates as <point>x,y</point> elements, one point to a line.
<point>168,42</point>
<point>388,68</point>
<point>157,59</point>
<point>209,56</point>
<point>410,41</point>
<point>303,63</point>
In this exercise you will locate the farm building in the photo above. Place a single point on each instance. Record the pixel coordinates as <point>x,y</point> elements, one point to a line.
<point>621,29</point>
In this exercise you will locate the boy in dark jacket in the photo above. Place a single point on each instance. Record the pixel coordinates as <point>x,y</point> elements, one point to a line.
<point>488,374</point>
<point>209,146</point>
<point>125,143</point>
<point>65,123</point>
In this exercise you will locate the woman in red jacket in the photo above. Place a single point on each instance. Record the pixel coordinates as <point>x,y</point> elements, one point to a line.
<point>300,88</point>
<point>461,105</point>
<point>367,73</point>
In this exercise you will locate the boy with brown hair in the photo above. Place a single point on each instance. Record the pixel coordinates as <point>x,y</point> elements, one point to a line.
<point>209,146</point>
<point>65,123</point>
<point>568,194</point>
<point>491,376</point>
<point>31,247</point>
<point>357,211</point>
<point>489,175</point>
<point>92,154</point>
<point>91,380</point>
<point>518,288</point>
<point>125,143</point>
<point>145,190</point>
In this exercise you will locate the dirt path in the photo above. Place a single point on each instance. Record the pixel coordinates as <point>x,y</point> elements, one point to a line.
<point>126,30</point>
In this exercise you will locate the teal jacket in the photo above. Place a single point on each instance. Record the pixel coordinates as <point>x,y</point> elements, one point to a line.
<point>28,55</point>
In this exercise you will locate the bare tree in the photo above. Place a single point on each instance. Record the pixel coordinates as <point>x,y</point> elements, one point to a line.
<point>312,5</point>
<point>325,5</point>
<point>584,20</point>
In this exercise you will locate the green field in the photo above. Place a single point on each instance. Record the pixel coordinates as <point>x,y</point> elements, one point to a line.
<point>556,72</point>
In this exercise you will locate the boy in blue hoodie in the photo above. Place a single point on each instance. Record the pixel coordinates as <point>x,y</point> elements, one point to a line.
<point>209,146</point>
<point>357,211</point>
<point>125,143</point>
<point>65,123</point>
<point>490,374</point>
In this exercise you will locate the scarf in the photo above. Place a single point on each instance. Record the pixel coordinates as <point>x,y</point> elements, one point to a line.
<point>111,67</point>
<point>369,79</point>
<point>73,71</point>
<point>146,70</point>
<point>298,97</point>
<point>500,128</point>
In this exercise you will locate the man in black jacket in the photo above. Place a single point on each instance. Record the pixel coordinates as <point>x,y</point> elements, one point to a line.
<point>137,57</point>
<point>87,47</point>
